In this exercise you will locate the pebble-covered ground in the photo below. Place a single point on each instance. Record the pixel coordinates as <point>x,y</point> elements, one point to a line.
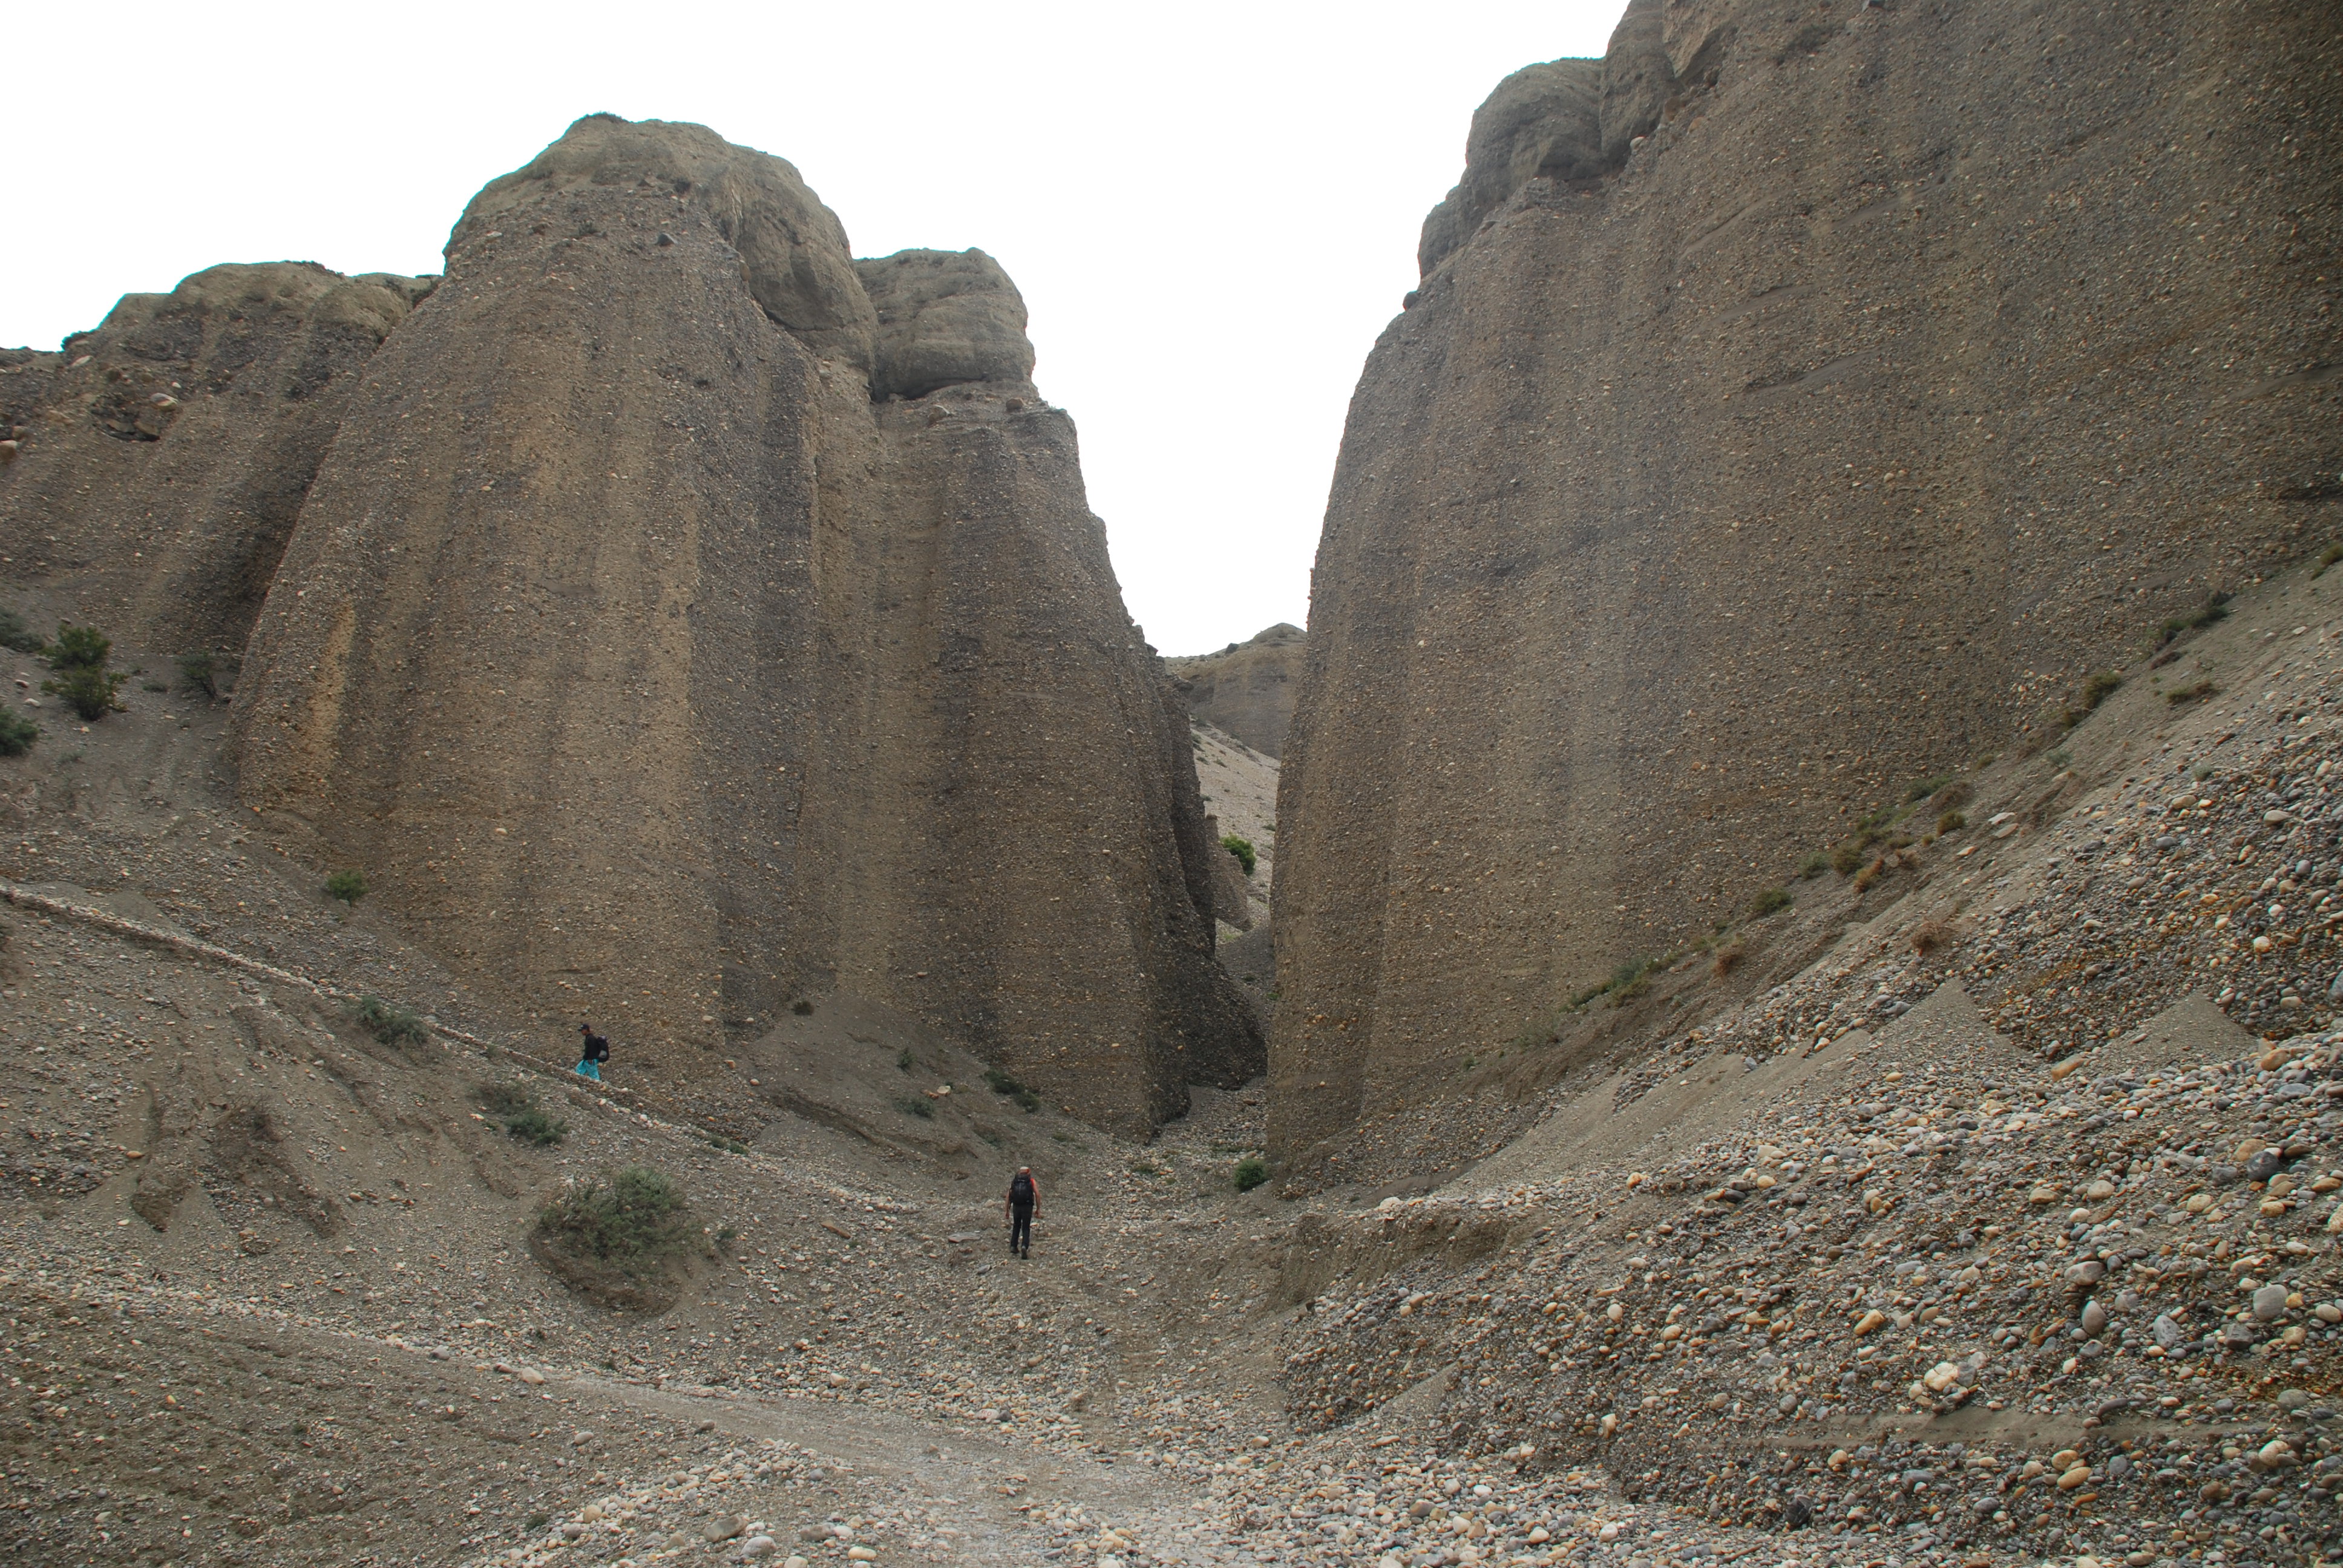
<point>1978,1214</point>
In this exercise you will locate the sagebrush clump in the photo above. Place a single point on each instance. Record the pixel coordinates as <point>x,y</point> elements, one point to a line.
<point>1250,1173</point>
<point>624,1238</point>
<point>80,656</point>
<point>511,1105</point>
<point>17,734</point>
<point>389,1023</point>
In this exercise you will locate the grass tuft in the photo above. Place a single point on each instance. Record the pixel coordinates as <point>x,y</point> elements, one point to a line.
<point>1249,1172</point>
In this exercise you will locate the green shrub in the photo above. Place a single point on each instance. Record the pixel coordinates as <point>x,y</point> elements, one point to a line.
<point>1951,822</point>
<point>2326,557</point>
<point>534,1126</point>
<point>1242,849</point>
<point>1813,866</point>
<point>510,1104</point>
<point>1847,859</point>
<point>1001,1083</point>
<point>1953,795</point>
<point>802,1006</point>
<point>391,1024</point>
<point>200,672</point>
<point>633,1222</point>
<point>903,1060</point>
<point>1250,1173</point>
<point>91,693</point>
<point>2215,609</point>
<point>2101,683</point>
<point>1769,901</point>
<point>347,886</point>
<point>79,647</point>
<point>15,634</point>
<point>1926,787</point>
<point>17,734</point>
<point>919,1108</point>
<point>2203,688</point>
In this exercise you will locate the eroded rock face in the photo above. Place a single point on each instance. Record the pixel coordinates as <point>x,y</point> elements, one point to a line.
<point>1915,366</point>
<point>658,677</point>
<point>791,249</point>
<point>945,317</point>
<point>162,459</point>
<point>1247,690</point>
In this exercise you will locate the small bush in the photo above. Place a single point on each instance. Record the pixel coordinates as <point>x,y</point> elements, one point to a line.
<point>1250,1173</point>
<point>1769,901</point>
<point>347,886</point>
<point>2099,686</point>
<point>2187,694</point>
<point>91,693</point>
<point>510,1104</point>
<point>802,1006</point>
<point>2216,608</point>
<point>729,1145</point>
<point>1952,795</point>
<point>619,1238</point>
<point>1933,933</point>
<point>1868,875</point>
<point>1728,959</point>
<point>1001,1083</point>
<point>17,734</point>
<point>903,1061</point>
<point>1242,849</point>
<point>1951,822</point>
<point>1926,787</point>
<point>534,1126</point>
<point>1847,859</point>
<point>919,1108</point>
<point>15,634</point>
<point>2326,557</point>
<point>79,647</point>
<point>391,1024</point>
<point>1813,866</point>
<point>200,672</point>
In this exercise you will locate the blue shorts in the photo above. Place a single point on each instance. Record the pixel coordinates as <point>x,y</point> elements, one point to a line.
<point>592,1070</point>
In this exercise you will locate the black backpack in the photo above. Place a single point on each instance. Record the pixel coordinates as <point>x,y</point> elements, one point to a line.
<point>1021,1190</point>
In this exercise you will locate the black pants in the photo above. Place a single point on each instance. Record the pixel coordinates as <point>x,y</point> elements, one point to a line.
<point>1020,1228</point>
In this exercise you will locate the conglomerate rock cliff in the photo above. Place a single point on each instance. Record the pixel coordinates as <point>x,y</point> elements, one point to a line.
<point>662,677</point>
<point>1247,689</point>
<point>677,621</point>
<point>1798,401</point>
<point>159,462</point>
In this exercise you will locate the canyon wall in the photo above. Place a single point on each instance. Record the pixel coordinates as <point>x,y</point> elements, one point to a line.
<point>1247,689</point>
<point>1798,402</point>
<point>677,619</point>
<point>160,461</point>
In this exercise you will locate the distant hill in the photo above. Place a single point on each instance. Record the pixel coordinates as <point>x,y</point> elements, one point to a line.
<point>1247,689</point>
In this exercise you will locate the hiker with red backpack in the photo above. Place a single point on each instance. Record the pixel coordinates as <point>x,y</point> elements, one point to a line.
<point>1024,1197</point>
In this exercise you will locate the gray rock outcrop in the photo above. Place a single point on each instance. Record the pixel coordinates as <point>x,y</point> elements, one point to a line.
<point>945,317</point>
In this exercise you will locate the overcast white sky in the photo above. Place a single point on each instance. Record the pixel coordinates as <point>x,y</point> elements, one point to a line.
<point>1211,209</point>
